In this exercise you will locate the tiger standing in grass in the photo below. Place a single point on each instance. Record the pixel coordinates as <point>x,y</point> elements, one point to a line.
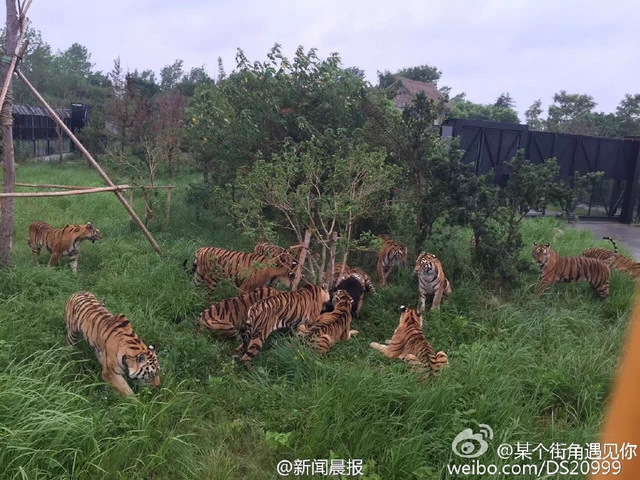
<point>614,259</point>
<point>211,264</point>
<point>280,255</point>
<point>118,348</point>
<point>554,268</point>
<point>432,282</point>
<point>60,242</point>
<point>393,253</point>
<point>228,317</point>
<point>409,344</point>
<point>285,311</point>
<point>331,327</point>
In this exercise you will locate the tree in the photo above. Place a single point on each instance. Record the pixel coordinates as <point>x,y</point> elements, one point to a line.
<point>323,185</point>
<point>628,114</point>
<point>505,100</point>
<point>570,113</point>
<point>477,111</point>
<point>170,75</point>
<point>12,36</point>
<point>532,116</point>
<point>421,73</point>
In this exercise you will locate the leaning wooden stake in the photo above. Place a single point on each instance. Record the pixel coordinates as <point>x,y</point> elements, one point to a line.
<point>303,257</point>
<point>20,49</point>
<point>88,156</point>
<point>83,191</point>
<point>168,205</point>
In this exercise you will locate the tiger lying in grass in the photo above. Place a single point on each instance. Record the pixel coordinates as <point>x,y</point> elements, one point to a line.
<point>409,344</point>
<point>614,259</point>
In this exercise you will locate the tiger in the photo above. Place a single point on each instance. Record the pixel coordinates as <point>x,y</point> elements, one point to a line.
<point>60,242</point>
<point>331,327</point>
<point>392,253</point>
<point>363,277</point>
<point>432,282</point>
<point>409,344</point>
<point>285,311</point>
<point>210,264</point>
<point>266,277</point>
<point>613,259</point>
<point>554,268</point>
<point>282,256</point>
<point>118,348</point>
<point>228,317</point>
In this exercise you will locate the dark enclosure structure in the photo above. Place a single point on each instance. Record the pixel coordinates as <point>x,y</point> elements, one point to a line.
<point>488,145</point>
<point>35,133</point>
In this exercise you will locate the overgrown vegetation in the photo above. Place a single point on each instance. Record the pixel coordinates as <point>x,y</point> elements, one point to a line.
<point>535,370</point>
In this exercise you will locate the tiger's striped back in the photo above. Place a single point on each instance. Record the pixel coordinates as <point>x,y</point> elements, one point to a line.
<point>393,253</point>
<point>432,282</point>
<point>213,263</point>
<point>267,276</point>
<point>331,327</point>
<point>60,242</point>
<point>284,311</point>
<point>355,272</point>
<point>614,259</point>
<point>228,317</point>
<point>120,351</point>
<point>280,255</point>
<point>554,268</point>
<point>409,343</point>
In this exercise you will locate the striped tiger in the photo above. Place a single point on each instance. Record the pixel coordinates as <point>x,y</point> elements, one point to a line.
<point>285,311</point>
<point>331,327</point>
<point>60,242</point>
<point>554,268</point>
<point>228,317</point>
<point>211,264</point>
<point>432,282</point>
<point>118,348</point>
<point>266,277</point>
<point>613,259</point>
<point>280,255</point>
<point>392,253</point>
<point>409,344</point>
<point>355,272</point>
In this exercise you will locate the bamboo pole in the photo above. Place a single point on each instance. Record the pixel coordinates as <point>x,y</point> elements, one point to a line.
<point>19,51</point>
<point>48,185</point>
<point>84,191</point>
<point>91,160</point>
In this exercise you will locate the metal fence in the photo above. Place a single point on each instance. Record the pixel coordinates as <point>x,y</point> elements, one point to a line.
<point>488,145</point>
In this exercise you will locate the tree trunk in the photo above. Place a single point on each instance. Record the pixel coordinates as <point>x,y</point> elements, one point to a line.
<point>9,167</point>
<point>303,256</point>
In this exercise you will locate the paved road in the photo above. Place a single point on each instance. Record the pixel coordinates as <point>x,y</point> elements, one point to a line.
<point>628,235</point>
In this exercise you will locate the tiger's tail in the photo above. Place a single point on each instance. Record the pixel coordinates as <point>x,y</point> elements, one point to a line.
<point>185,265</point>
<point>615,247</point>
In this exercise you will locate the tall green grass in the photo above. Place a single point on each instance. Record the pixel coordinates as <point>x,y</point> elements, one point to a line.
<point>535,370</point>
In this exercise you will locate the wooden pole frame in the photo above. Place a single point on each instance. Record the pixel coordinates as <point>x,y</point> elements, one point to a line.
<point>91,160</point>
<point>20,48</point>
<point>83,191</point>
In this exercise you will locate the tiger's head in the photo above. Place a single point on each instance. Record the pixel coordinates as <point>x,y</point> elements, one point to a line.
<point>144,366</point>
<point>398,254</point>
<point>426,264</point>
<point>541,254</point>
<point>409,316</point>
<point>86,232</point>
<point>341,297</point>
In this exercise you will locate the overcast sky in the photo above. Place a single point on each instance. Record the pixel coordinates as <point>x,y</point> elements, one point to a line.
<point>531,49</point>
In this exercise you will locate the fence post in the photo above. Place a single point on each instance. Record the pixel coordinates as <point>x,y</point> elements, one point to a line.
<point>633,178</point>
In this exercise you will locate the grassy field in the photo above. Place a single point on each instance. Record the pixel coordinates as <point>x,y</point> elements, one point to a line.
<point>535,370</point>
